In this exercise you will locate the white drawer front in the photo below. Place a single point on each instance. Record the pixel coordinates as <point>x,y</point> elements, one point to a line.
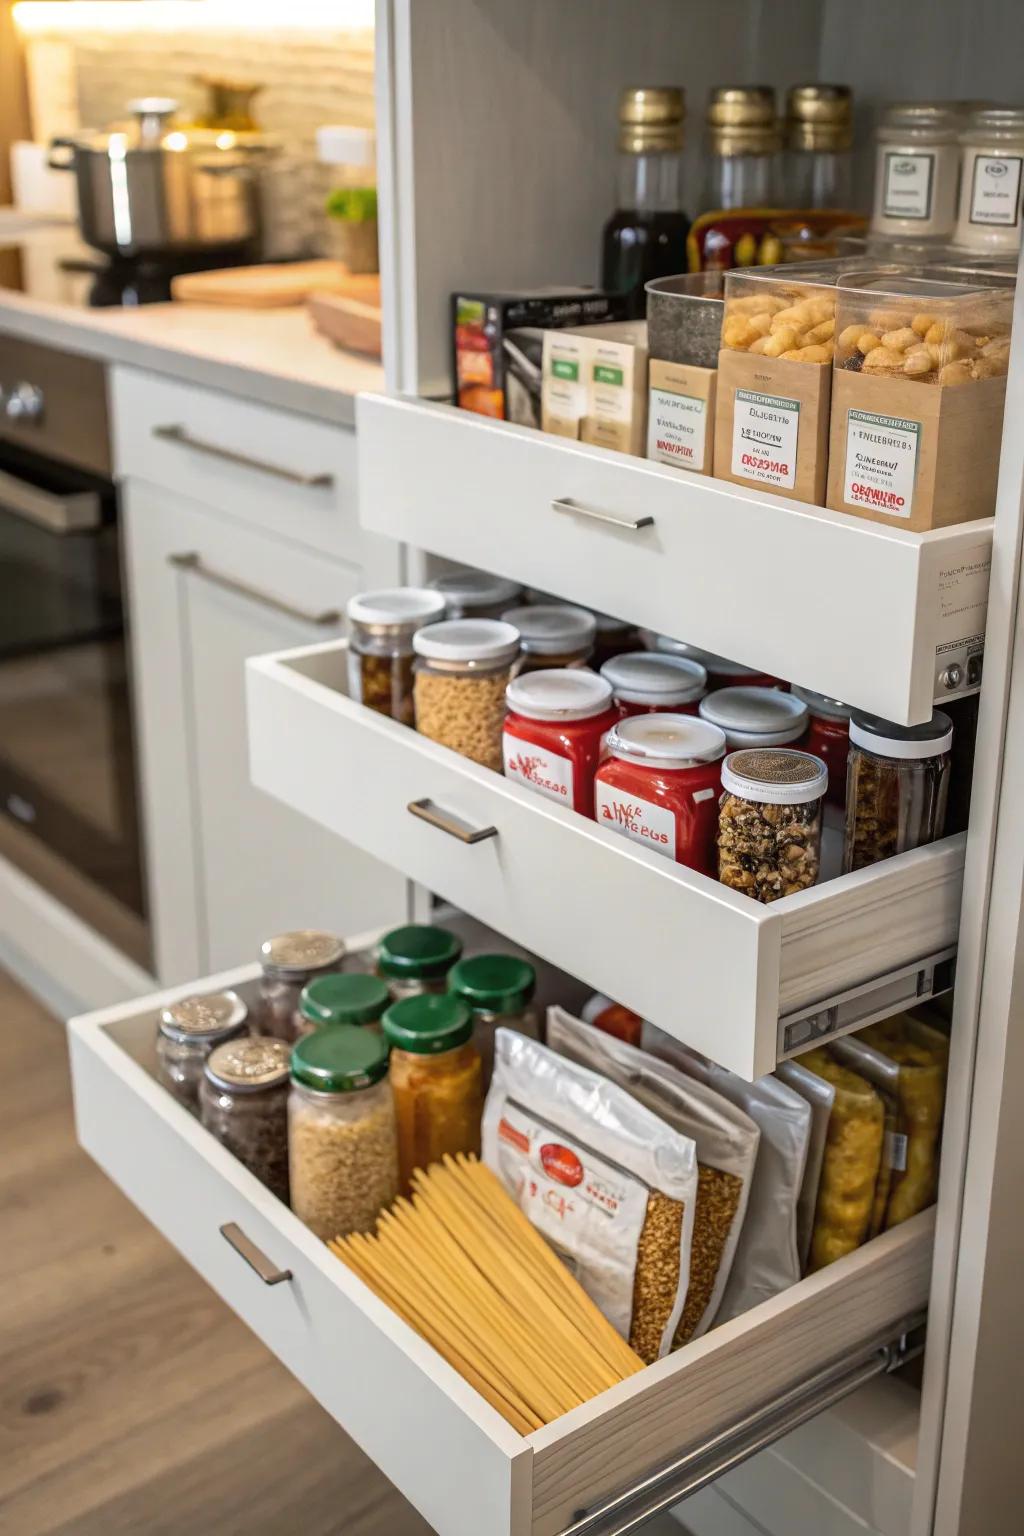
<point>443,1446</point>
<point>703,962</point>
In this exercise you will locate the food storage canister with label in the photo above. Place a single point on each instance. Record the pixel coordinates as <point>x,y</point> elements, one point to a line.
<point>991,181</point>
<point>380,651</point>
<point>436,1079</point>
<point>472,594</point>
<point>722,673</point>
<point>186,1033</point>
<point>499,989</point>
<point>755,717</point>
<point>417,958</point>
<point>897,786</point>
<point>769,831</point>
<point>342,999</point>
<point>742,143</point>
<point>646,682</point>
<point>462,670</point>
<point>659,786</point>
<point>828,737</point>
<point>917,170</point>
<point>343,1144</point>
<point>553,732</point>
<point>552,635</point>
<point>243,1101</point>
<point>289,961</point>
<point>818,161</point>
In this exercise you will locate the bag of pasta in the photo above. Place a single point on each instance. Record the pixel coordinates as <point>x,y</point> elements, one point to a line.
<point>919,1056</point>
<point>850,1167</point>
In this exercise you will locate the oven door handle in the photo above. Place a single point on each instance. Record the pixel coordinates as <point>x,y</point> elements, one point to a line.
<point>78,512</point>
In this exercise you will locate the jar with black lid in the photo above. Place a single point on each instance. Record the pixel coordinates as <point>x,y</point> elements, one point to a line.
<point>187,1031</point>
<point>897,786</point>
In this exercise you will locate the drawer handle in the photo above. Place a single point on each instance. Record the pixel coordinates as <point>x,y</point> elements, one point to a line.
<point>189,560</point>
<point>181,435</point>
<point>427,811</point>
<point>566,504</point>
<point>268,1272</point>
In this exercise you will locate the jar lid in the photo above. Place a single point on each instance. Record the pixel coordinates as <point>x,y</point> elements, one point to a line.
<point>249,1063</point>
<point>997,119</point>
<point>475,589</point>
<point>429,1024</point>
<point>339,1060</point>
<point>921,114</point>
<point>820,117</point>
<point>645,677</point>
<point>467,640</point>
<point>666,741</point>
<point>712,664</point>
<point>911,742</point>
<point>395,608</point>
<point>741,106</point>
<point>821,705</point>
<point>344,999</point>
<point>494,983</point>
<point>418,950</point>
<point>205,1016</point>
<point>563,693</point>
<point>755,717</point>
<point>551,629</point>
<point>770,777</point>
<point>303,949</point>
<point>651,118</point>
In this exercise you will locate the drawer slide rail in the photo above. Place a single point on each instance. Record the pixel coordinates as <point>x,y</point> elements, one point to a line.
<point>873,1000</point>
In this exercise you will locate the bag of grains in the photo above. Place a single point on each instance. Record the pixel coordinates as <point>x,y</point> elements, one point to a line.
<point>819,1097</point>
<point>850,1167</point>
<point>726,1142</point>
<point>608,1184</point>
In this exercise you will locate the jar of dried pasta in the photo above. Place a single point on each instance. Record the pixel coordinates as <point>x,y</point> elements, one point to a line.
<point>290,961</point>
<point>897,786</point>
<point>380,653</point>
<point>462,669</point>
<point>436,1079</point>
<point>417,959</point>
<point>552,636</point>
<point>187,1031</point>
<point>243,1101</point>
<point>499,990</point>
<point>769,821</point>
<point>343,1149</point>
<point>346,998</point>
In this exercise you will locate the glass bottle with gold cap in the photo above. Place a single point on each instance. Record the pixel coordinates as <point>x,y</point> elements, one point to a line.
<point>743,145</point>
<point>646,235</point>
<point>819,144</point>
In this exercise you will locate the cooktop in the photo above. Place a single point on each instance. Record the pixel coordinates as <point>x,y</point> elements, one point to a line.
<point>52,263</point>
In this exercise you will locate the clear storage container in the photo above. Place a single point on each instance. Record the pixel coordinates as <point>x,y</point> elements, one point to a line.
<point>684,318</point>
<point>917,170</point>
<point>646,682</point>
<point>436,1080</point>
<point>818,164</point>
<point>755,717</point>
<point>917,325</point>
<point>380,654</point>
<point>553,635</point>
<point>472,594</point>
<point>991,181</point>
<point>742,149</point>
<point>553,732</point>
<point>462,670</point>
<point>243,1101</point>
<point>290,961</point>
<point>897,787</point>
<point>769,836</point>
<point>417,958</point>
<point>343,999</point>
<point>186,1033</point>
<point>659,786</point>
<point>828,737</point>
<point>773,314</point>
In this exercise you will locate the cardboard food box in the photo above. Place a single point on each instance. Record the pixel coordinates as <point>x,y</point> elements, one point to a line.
<point>681,416</point>
<point>595,385</point>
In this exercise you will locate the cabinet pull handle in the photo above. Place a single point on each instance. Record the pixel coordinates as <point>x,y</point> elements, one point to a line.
<point>253,1256</point>
<point>175,433</point>
<point>631,524</point>
<point>189,560</point>
<point>444,821</point>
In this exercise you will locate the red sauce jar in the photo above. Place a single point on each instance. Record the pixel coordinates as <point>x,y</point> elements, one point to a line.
<point>722,673</point>
<point>553,731</point>
<point>756,717</point>
<point>645,683</point>
<point>660,784</point>
<point>828,737</point>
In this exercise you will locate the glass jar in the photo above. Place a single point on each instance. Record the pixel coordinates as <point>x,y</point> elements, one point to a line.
<point>819,147</point>
<point>380,651</point>
<point>243,1101</point>
<point>436,1080</point>
<point>769,824</point>
<point>553,732</point>
<point>187,1032</point>
<point>644,682</point>
<point>659,786</point>
<point>289,961</point>
<point>499,989</point>
<point>897,787</point>
<point>552,635</point>
<point>343,1146</point>
<point>989,217</point>
<point>416,959</point>
<point>472,594</point>
<point>721,672</point>
<point>917,171</point>
<point>755,717</point>
<point>347,998</point>
<point>462,670</point>
<point>828,737</point>
<point>615,637</point>
<point>743,144</point>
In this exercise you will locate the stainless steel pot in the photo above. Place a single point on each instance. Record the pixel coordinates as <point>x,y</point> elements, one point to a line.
<point>154,190</point>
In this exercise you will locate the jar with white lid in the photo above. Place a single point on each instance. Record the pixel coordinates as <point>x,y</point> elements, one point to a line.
<point>645,682</point>
<point>828,737</point>
<point>991,181</point>
<point>187,1031</point>
<point>470,594</point>
<point>897,786</point>
<point>659,783</point>
<point>462,670</point>
<point>554,728</point>
<point>769,833</point>
<point>756,717</point>
<point>722,673</point>
<point>380,652</point>
<point>291,960</point>
<point>917,170</point>
<point>552,635</point>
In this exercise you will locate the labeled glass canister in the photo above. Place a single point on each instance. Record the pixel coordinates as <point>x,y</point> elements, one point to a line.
<point>828,737</point>
<point>722,673</point>
<point>991,181</point>
<point>462,670</point>
<point>186,1033</point>
<point>470,594</point>
<point>769,832</point>
<point>818,165</point>
<point>436,1080</point>
<point>553,732</point>
<point>290,961</point>
<point>344,998</point>
<point>499,989</point>
<point>243,1101</point>
<point>416,959</point>
<point>917,171</point>
<point>659,786</point>
<point>897,786</point>
<point>755,717</point>
<point>380,651</point>
<point>552,635</point>
<point>646,682</point>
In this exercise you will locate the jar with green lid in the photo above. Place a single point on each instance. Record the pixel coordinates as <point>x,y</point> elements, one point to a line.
<point>416,959</point>
<point>343,1151</point>
<point>499,989</point>
<point>290,961</point>
<point>436,1079</point>
<point>243,1101</point>
<point>341,999</point>
<point>187,1032</point>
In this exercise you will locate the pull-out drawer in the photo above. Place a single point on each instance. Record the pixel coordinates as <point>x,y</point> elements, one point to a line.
<point>441,1444</point>
<point>744,983</point>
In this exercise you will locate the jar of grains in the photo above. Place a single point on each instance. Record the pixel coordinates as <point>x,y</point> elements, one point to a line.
<point>476,594</point>
<point>343,1148</point>
<point>417,959</point>
<point>645,682</point>
<point>755,717</point>
<point>380,653</point>
<point>243,1101</point>
<point>290,961</point>
<point>436,1080</point>
<point>991,182</point>
<point>552,635</point>
<point>722,673</point>
<point>462,669</point>
<point>828,737</point>
<point>499,989</point>
<point>555,724</point>
<point>341,999</point>
<point>659,786</point>
<point>769,837</point>
<point>897,786</point>
<point>186,1033</point>
<point>917,171</point>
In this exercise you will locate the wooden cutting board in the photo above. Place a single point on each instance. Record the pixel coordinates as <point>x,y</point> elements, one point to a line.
<point>349,322</point>
<point>271,286</point>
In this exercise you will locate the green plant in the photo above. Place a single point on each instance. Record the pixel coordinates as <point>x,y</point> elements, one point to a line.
<point>355,205</point>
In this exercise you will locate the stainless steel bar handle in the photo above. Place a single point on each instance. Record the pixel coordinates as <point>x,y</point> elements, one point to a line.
<point>76,513</point>
<point>631,524</point>
<point>175,433</point>
<point>253,1256</point>
<point>189,560</point>
<point>427,811</point>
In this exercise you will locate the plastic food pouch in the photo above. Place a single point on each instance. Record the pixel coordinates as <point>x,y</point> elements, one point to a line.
<point>884,1076</point>
<point>920,1056</point>
<point>853,1157</point>
<point>819,1096</point>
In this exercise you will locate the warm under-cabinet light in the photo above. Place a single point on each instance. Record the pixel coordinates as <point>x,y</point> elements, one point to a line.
<point>69,16</point>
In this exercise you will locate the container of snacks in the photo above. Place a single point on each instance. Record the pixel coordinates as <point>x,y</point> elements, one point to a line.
<point>416,959</point>
<point>659,786</point>
<point>472,594</point>
<point>756,717</point>
<point>769,833</point>
<point>552,635</point>
<point>186,1033</point>
<point>499,991</point>
<point>917,171</point>
<point>553,732</point>
<point>722,673</point>
<point>828,737</point>
<point>684,326</point>
<point>343,999</point>
<point>380,652</point>
<point>897,786</point>
<point>436,1079</point>
<point>243,1101</point>
<point>989,216</point>
<point>646,682</point>
<point>291,960</point>
<point>462,670</point>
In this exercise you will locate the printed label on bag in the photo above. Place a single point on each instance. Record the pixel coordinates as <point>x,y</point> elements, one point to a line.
<point>547,772</point>
<point>676,429</point>
<point>995,190</point>
<point>765,429</point>
<point>881,462</point>
<point>896,1151</point>
<point>908,183</point>
<point>645,823</point>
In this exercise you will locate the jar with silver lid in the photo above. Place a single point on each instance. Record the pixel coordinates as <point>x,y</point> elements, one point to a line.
<point>991,181</point>
<point>819,144</point>
<point>897,786</point>
<point>289,961</point>
<point>470,594</point>
<point>755,717</point>
<point>243,1101</point>
<point>380,650</point>
<point>917,170</point>
<point>552,635</point>
<point>186,1033</point>
<point>769,822</point>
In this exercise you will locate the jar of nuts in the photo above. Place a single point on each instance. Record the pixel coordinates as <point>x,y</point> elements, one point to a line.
<point>243,1101</point>
<point>919,326</point>
<point>380,652</point>
<point>769,821</point>
<point>289,961</point>
<point>897,786</point>
<point>187,1031</point>
<point>462,669</point>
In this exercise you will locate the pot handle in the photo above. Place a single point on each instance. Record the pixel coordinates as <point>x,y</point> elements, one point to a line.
<point>61,162</point>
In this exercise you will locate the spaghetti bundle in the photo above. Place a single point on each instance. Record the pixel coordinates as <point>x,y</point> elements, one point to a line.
<point>463,1266</point>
